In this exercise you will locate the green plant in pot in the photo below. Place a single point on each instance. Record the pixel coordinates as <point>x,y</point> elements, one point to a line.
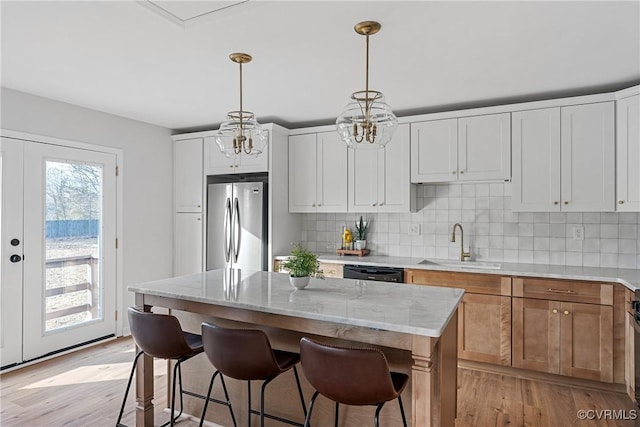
<point>302,265</point>
<point>361,234</point>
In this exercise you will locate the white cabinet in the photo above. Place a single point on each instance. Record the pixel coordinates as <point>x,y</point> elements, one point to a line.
<point>188,177</point>
<point>379,179</point>
<point>216,163</point>
<point>536,160</point>
<point>563,159</point>
<point>628,154</point>
<point>461,149</point>
<point>188,240</point>
<point>317,173</point>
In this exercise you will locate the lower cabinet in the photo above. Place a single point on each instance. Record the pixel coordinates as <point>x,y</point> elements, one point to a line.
<point>188,243</point>
<point>566,338</point>
<point>484,316</point>
<point>328,269</point>
<point>484,329</point>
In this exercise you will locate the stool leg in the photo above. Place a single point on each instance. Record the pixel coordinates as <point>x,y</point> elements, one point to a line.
<point>126,393</point>
<point>226,396</point>
<point>378,414</point>
<point>173,394</point>
<point>336,414</point>
<point>249,403</point>
<point>307,421</point>
<point>304,407</point>
<point>206,400</point>
<point>404,419</point>
<point>264,385</point>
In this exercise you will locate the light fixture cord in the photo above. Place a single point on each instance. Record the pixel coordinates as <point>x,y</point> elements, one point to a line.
<point>241,98</point>
<point>366,88</point>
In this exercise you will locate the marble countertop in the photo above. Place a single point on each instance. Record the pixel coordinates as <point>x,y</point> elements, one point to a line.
<point>418,310</point>
<point>628,277</point>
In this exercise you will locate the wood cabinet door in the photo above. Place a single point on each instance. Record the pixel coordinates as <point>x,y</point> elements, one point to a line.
<point>394,185</point>
<point>188,250</point>
<point>588,158</point>
<point>484,329</point>
<point>586,341</point>
<point>629,356</point>
<point>628,154</point>
<point>536,160</point>
<point>302,173</point>
<point>331,182</point>
<point>188,175</point>
<point>536,335</point>
<point>484,147</point>
<point>434,151</point>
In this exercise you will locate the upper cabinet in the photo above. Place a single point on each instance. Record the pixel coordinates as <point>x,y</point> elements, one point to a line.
<point>563,159</point>
<point>317,173</point>
<point>188,177</point>
<point>461,149</point>
<point>379,179</point>
<point>216,163</point>
<point>628,154</point>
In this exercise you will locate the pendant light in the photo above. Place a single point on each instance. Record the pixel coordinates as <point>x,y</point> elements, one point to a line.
<point>241,134</point>
<point>367,121</point>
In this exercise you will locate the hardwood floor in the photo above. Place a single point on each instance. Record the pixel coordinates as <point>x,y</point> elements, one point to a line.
<point>85,388</point>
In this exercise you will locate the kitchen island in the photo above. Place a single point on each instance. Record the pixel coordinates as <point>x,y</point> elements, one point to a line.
<point>415,326</point>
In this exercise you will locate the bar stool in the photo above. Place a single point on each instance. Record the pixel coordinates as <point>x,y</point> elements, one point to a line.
<point>353,376</point>
<point>246,354</point>
<point>160,336</point>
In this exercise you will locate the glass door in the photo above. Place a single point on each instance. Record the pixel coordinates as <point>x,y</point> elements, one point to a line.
<point>69,262</point>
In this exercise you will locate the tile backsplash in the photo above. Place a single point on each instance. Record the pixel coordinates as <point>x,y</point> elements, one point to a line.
<point>491,230</point>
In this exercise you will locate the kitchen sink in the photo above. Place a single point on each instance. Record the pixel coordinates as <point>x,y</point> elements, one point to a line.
<point>462,264</point>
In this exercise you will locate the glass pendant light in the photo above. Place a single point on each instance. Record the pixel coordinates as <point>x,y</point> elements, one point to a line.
<point>367,121</point>
<point>241,134</point>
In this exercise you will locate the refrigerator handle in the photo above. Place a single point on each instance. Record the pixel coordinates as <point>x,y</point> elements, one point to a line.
<point>236,230</point>
<point>227,232</point>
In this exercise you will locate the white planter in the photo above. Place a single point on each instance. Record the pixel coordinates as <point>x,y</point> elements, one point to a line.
<point>360,244</point>
<point>299,282</point>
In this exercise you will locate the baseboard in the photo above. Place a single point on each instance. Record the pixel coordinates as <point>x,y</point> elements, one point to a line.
<point>541,376</point>
<point>193,418</point>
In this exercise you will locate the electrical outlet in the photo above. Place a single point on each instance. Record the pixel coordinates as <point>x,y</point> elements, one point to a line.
<point>414,229</point>
<point>578,233</point>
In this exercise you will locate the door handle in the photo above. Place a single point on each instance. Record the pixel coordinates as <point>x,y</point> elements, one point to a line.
<point>227,233</point>
<point>236,230</point>
<point>15,258</point>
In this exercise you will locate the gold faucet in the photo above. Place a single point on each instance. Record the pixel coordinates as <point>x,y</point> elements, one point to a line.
<point>463,254</point>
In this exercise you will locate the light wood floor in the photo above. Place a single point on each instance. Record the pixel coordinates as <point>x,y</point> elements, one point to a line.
<point>85,389</point>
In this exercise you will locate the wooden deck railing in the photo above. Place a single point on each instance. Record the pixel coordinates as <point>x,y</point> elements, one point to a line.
<point>92,304</point>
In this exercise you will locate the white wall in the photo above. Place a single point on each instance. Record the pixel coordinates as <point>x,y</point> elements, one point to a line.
<point>147,173</point>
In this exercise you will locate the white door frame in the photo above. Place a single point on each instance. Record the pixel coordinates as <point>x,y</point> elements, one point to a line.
<point>24,136</point>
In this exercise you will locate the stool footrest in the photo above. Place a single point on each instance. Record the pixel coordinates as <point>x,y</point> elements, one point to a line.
<point>211,399</point>
<point>277,418</point>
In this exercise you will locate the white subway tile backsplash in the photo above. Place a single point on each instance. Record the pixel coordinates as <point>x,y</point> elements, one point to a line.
<point>492,231</point>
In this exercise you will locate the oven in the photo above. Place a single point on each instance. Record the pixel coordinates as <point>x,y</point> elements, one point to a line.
<point>636,337</point>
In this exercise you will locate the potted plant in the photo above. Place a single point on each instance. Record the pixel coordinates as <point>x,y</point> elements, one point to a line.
<point>361,234</point>
<point>302,265</point>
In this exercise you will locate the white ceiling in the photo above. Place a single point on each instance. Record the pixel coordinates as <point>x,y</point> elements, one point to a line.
<point>167,63</point>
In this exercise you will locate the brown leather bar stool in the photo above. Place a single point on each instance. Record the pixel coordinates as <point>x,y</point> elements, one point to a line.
<point>246,354</point>
<point>353,376</point>
<point>160,336</point>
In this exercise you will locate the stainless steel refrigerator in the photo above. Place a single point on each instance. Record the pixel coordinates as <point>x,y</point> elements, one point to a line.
<point>237,226</point>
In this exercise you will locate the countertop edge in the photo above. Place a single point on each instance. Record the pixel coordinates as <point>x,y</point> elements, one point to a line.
<point>507,270</point>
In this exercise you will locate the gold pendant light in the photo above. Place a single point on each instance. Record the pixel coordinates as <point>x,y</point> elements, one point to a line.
<point>241,134</point>
<point>367,121</point>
